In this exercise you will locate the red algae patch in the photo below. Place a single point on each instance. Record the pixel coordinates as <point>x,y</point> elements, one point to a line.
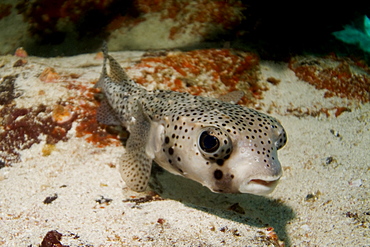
<point>196,72</point>
<point>341,77</point>
<point>20,128</point>
<point>23,127</point>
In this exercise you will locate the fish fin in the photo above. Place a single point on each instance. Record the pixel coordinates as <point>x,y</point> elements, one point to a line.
<point>232,97</point>
<point>103,75</point>
<point>136,163</point>
<point>106,114</point>
<point>117,73</point>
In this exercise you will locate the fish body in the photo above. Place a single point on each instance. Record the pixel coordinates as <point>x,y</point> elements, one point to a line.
<point>225,147</point>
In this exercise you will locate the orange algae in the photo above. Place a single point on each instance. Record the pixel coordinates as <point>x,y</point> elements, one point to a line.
<point>179,71</point>
<point>87,125</point>
<point>49,75</point>
<point>299,112</point>
<point>61,114</point>
<point>20,52</point>
<point>339,79</point>
<point>94,132</point>
<point>99,56</point>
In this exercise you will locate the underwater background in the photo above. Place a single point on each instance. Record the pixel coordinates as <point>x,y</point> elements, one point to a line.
<point>275,30</point>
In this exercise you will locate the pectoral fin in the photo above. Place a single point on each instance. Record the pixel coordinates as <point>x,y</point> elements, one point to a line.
<point>136,163</point>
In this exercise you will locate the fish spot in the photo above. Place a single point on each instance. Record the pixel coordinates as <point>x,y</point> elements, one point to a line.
<point>170,151</point>
<point>167,140</point>
<point>218,174</point>
<point>220,162</point>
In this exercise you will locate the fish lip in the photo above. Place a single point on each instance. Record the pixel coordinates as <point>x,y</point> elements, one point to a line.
<point>259,186</point>
<point>263,182</point>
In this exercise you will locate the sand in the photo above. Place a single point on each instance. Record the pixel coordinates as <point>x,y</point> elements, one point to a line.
<point>321,200</point>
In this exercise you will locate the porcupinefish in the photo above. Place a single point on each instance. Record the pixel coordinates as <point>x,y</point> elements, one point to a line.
<point>225,147</point>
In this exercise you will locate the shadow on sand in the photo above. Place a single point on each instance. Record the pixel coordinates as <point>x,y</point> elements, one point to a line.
<point>257,211</point>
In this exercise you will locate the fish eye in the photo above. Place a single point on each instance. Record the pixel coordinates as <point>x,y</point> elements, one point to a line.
<point>214,144</point>
<point>208,142</point>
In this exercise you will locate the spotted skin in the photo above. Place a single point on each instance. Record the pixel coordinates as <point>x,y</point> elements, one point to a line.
<point>226,147</point>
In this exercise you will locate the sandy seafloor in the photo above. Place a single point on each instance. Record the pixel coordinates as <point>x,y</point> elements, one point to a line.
<point>317,203</point>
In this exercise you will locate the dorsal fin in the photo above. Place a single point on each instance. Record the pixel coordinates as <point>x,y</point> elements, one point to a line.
<point>116,71</point>
<point>232,97</point>
<point>103,75</point>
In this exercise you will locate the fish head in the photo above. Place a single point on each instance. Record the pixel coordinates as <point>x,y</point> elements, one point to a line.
<point>228,153</point>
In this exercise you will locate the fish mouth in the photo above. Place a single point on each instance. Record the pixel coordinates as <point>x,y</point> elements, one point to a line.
<point>258,186</point>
